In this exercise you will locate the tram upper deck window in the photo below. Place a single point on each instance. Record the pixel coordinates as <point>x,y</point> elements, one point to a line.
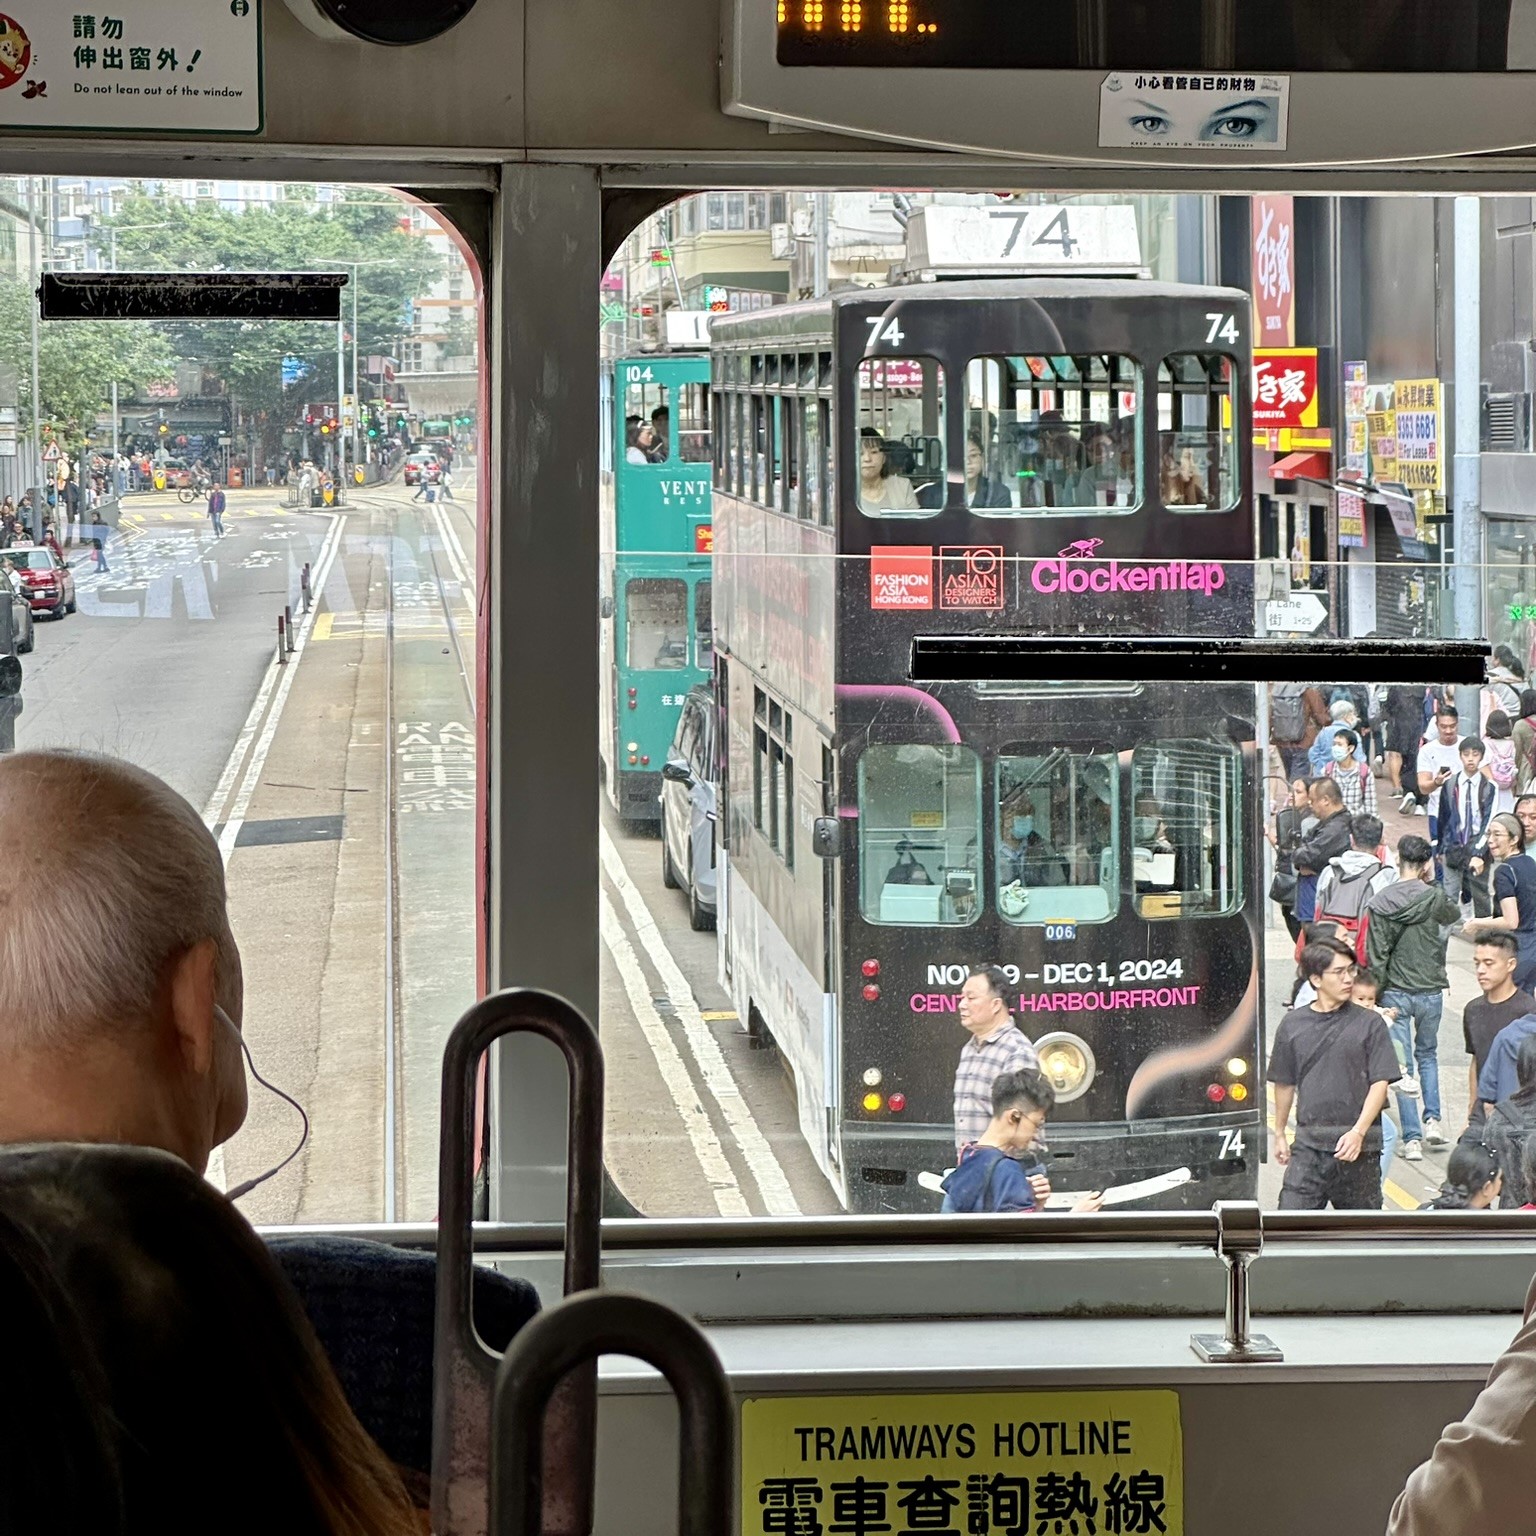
<point>647,418</point>
<point>656,611</point>
<point>1186,828</point>
<point>901,437</point>
<point>1052,434</point>
<point>919,835</point>
<point>693,424</point>
<point>1196,437</point>
<point>1056,844</point>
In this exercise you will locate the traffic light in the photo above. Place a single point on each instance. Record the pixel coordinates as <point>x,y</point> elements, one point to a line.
<point>164,429</point>
<point>373,424</point>
<point>400,424</point>
<point>325,429</point>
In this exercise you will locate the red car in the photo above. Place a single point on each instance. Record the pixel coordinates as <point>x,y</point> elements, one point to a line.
<point>423,468</point>
<point>48,582</point>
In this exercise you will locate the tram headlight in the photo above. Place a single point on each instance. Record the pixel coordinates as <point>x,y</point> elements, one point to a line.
<point>1237,1067</point>
<point>873,1077</point>
<point>1067,1061</point>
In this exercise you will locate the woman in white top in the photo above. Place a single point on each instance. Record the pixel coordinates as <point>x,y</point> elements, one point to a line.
<point>879,489</point>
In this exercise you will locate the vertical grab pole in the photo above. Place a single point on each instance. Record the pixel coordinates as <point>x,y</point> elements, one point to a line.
<point>464,1371</point>
<point>1239,1241</point>
<point>611,1323</point>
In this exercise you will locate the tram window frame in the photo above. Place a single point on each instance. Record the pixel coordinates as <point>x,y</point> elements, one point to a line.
<point>1123,375</point>
<point>761,449</point>
<point>693,408</point>
<point>814,458</point>
<point>865,416</point>
<point>720,439</point>
<point>1224,436</point>
<point>963,892</point>
<point>646,586</point>
<point>1023,905</point>
<point>791,451</point>
<point>829,460</point>
<point>1166,903</point>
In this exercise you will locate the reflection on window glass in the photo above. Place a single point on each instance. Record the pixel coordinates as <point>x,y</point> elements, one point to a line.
<point>1196,440</point>
<point>693,423</point>
<point>647,422</point>
<point>1056,820</point>
<point>657,610</point>
<point>703,624</point>
<point>1050,433</point>
<point>1185,828</point>
<point>919,832</point>
<point>901,437</point>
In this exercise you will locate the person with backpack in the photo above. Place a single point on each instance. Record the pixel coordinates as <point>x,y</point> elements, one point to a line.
<point>1345,888</point>
<point>1324,842</point>
<point>1506,679</point>
<point>1406,935</point>
<point>1354,778</point>
<point>1499,762</point>
<point>1511,1128</point>
<point>1296,714</point>
<point>996,1173</point>
<point>1474,1178</point>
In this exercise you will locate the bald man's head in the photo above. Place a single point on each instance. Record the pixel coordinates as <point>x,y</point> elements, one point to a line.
<point>114,937</point>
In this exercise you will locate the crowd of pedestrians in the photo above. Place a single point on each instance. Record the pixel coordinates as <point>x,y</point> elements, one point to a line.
<point>1356,1056</point>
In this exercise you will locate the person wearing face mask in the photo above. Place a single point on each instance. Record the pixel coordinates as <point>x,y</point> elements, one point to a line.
<point>1354,778</point>
<point>1023,854</point>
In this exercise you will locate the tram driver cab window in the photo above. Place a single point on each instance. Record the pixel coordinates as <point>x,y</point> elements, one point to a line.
<point>1197,464</point>
<point>656,610</point>
<point>1052,434</point>
<point>647,418</point>
<point>1185,821</point>
<point>901,437</point>
<point>1056,844</point>
<point>919,834</point>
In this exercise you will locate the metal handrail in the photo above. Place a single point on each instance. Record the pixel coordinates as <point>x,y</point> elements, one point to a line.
<point>576,1332</point>
<point>464,1371</point>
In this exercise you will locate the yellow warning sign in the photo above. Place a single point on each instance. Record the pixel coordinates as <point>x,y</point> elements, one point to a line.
<point>964,1464</point>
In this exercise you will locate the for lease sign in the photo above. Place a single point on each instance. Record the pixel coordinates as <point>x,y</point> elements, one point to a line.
<point>178,66</point>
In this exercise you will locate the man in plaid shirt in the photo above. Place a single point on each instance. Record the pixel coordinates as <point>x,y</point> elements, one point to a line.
<point>997,1045</point>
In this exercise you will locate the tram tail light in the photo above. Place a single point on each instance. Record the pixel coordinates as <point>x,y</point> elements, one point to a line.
<point>1216,1093</point>
<point>645,761</point>
<point>871,993</point>
<point>896,1103</point>
<point>871,967</point>
<point>1239,1092</point>
<point>872,1103</point>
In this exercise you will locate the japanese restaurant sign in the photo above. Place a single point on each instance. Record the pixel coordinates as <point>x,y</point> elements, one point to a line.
<point>988,1464</point>
<point>1285,387</point>
<point>178,66</point>
<point>1274,272</point>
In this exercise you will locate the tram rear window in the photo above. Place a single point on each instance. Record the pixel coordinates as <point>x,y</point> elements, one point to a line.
<point>1196,439</point>
<point>1185,828</point>
<point>693,424</point>
<point>901,437</point>
<point>657,623</point>
<point>647,413</point>
<point>1056,854</point>
<point>919,835</point>
<point>1048,434</point>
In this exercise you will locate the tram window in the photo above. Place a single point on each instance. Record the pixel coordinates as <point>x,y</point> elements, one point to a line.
<point>740,447</point>
<point>1186,828</point>
<point>811,460</point>
<point>790,408</point>
<point>693,423</point>
<point>828,471</point>
<point>901,437</point>
<point>762,447</point>
<point>1056,844</point>
<point>647,415</point>
<point>919,835</point>
<point>1197,466</point>
<point>657,623</point>
<point>704,624</point>
<point>1048,434</point>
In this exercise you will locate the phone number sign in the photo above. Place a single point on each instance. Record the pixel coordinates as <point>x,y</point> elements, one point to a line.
<point>177,66</point>
<point>988,1464</point>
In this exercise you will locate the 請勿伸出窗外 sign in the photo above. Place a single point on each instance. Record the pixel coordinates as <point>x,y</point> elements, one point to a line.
<point>178,66</point>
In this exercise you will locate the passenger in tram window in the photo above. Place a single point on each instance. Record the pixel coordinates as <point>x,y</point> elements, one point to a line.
<point>661,434</point>
<point>1062,460</point>
<point>1102,483</point>
<point>996,1173</point>
<point>1024,854</point>
<point>160,1374</point>
<point>879,489</point>
<point>1182,483</point>
<point>980,489</point>
<point>1333,1062</point>
<point>996,1045</point>
<point>639,440</point>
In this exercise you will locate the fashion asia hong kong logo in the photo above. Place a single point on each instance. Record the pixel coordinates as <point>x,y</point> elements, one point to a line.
<point>1078,569</point>
<point>901,576</point>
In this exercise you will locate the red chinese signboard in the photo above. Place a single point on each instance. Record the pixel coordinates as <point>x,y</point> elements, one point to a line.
<point>1285,387</point>
<point>1274,272</point>
<point>901,576</point>
<point>704,538</point>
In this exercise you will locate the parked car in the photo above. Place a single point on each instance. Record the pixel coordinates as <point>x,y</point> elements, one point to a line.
<point>419,465</point>
<point>49,583</point>
<point>690,792</point>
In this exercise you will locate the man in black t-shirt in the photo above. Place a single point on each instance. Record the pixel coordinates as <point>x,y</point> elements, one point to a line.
<point>1494,961</point>
<point>1334,1060</point>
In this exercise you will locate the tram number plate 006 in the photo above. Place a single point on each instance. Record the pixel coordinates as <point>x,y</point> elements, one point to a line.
<point>1059,933</point>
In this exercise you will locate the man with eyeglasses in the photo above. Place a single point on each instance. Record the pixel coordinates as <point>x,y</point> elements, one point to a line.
<point>1333,1061</point>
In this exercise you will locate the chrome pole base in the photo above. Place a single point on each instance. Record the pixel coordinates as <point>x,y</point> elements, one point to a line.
<point>1217,1349</point>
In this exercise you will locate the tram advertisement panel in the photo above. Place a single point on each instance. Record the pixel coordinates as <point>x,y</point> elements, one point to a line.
<point>993,1463</point>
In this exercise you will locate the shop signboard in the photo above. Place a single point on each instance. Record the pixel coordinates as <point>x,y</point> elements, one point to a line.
<point>1284,387</point>
<point>1356,424</point>
<point>1420,422</point>
<point>1381,432</point>
<point>1351,520</point>
<point>1274,272</point>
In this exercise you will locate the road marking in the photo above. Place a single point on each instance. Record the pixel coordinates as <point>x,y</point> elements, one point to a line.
<point>456,556</point>
<point>1399,1196</point>
<point>712,1160</point>
<point>322,630</point>
<point>778,1198</point>
<point>236,818</point>
<point>720,1016</point>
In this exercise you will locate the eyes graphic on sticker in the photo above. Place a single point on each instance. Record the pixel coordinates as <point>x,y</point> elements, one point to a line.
<point>15,52</point>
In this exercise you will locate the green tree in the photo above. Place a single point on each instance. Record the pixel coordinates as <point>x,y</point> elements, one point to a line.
<point>360,224</point>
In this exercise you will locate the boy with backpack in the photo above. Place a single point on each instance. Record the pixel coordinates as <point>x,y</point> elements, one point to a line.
<point>1354,778</point>
<point>1407,929</point>
<point>994,1172</point>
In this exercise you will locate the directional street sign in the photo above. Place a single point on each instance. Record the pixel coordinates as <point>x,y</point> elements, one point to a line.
<point>1300,613</point>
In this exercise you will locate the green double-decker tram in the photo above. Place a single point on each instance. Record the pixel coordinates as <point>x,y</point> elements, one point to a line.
<point>658,539</point>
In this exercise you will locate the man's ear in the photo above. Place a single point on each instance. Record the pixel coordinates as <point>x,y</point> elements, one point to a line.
<point>193,993</point>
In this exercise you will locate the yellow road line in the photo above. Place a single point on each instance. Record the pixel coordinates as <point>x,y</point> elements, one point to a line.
<point>1399,1196</point>
<point>322,629</point>
<point>719,1016</point>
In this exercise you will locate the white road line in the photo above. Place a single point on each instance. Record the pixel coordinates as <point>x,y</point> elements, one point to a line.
<point>778,1198</point>
<point>242,803</point>
<point>456,556</point>
<point>674,1072</point>
<point>252,724</point>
